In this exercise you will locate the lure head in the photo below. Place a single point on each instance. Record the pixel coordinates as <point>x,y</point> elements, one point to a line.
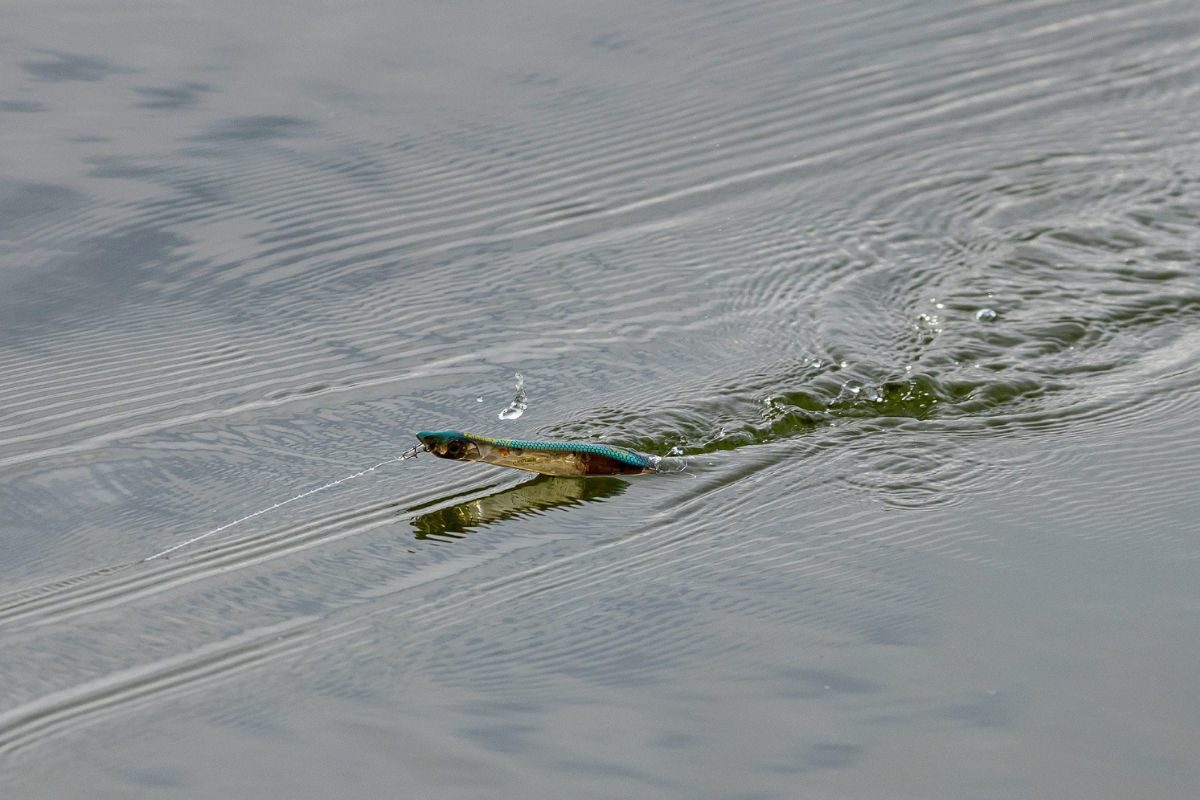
<point>454,445</point>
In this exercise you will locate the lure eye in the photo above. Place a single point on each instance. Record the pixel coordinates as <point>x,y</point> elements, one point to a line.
<point>455,448</point>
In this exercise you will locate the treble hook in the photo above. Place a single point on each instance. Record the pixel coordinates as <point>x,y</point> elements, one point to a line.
<point>413,452</point>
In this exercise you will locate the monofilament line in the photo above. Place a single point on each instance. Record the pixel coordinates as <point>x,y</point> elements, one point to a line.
<point>301,496</point>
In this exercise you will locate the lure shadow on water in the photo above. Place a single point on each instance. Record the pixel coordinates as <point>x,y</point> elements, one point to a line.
<point>535,497</point>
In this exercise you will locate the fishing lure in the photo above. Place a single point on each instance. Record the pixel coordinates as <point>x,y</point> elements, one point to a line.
<point>569,459</point>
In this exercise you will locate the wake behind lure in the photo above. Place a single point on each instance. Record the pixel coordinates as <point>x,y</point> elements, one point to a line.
<point>567,459</point>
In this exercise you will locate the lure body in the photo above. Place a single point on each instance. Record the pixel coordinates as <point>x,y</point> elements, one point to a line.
<point>568,459</point>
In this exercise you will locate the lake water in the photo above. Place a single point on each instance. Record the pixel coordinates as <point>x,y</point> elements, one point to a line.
<point>913,286</point>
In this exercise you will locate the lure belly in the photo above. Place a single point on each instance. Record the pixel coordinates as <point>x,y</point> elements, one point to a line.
<point>568,459</point>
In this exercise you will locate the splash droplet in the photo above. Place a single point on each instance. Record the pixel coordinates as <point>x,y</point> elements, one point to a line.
<point>519,402</point>
<point>986,315</point>
<point>669,463</point>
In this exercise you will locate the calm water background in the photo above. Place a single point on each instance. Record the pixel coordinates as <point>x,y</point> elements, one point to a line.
<point>914,285</point>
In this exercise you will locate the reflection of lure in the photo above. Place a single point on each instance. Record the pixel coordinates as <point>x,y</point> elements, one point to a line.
<point>531,497</point>
<point>571,459</point>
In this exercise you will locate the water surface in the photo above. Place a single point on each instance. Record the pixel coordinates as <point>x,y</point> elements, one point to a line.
<point>913,286</point>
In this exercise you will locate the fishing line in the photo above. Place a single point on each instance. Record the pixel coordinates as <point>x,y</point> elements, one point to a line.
<point>406,454</point>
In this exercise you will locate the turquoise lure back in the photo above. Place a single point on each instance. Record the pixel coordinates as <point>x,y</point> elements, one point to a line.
<point>568,459</point>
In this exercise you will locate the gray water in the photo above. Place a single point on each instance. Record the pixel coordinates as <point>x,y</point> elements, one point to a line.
<point>914,288</point>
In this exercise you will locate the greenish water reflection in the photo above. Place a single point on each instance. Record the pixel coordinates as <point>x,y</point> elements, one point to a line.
<point>535,497</point>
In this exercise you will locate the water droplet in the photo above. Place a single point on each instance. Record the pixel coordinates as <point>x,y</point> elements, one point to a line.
<point>479,399</point>
<point>986,315</point>
<point>519,402</point>
<point>669,464</point>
